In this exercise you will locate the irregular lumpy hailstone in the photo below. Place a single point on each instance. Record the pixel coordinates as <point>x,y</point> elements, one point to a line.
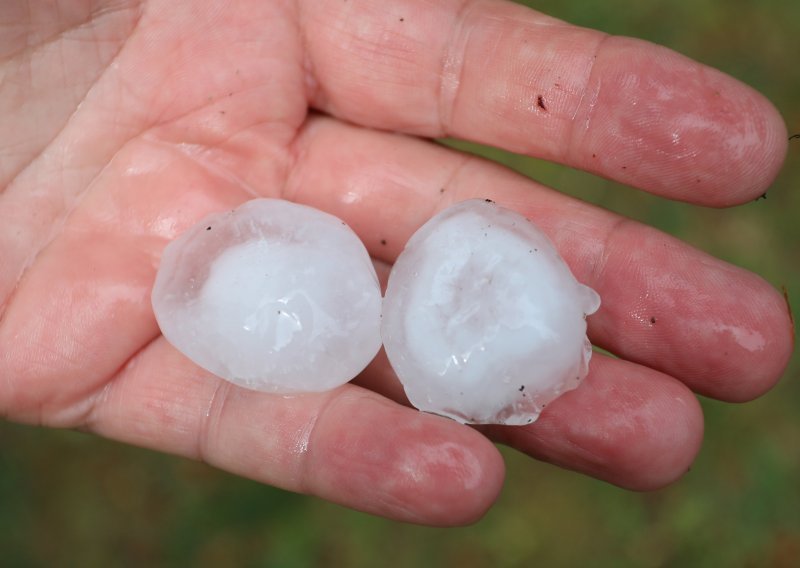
<point>483,321</point>
<point>273,296</point>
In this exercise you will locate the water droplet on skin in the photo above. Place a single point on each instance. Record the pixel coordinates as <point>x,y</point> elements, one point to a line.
<point>747,339</point>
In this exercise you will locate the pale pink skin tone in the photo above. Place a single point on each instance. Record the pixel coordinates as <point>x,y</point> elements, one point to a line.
<point>192,107</point>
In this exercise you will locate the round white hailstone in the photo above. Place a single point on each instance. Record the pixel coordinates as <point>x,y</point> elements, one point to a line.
<point>483,321</point>
<point>273,296</point>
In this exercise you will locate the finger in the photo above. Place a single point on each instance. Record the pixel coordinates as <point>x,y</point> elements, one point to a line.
<point>722,330</point>
<point>626,424</point>
<point>349,446</point>
<point>503,75</point>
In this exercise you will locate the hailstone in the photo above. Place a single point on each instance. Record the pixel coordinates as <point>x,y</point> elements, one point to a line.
<point>483,322</point>
<point>272,296</point>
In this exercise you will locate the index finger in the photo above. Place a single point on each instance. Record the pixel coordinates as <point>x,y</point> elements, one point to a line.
<point>504,75</point>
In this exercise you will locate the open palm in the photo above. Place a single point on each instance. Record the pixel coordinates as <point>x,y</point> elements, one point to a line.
<point>123,122</point>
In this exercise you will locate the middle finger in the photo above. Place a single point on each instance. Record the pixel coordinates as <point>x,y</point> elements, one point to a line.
<point>723,331</point>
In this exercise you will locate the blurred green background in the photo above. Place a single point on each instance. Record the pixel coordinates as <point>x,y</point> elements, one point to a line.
<point>72,499</point>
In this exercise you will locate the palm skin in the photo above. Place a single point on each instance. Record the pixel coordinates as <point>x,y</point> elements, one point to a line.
<point>126,121</point>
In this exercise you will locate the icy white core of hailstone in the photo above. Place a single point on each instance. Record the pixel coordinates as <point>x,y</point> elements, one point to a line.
<point>482,319</point>
<point>272,296</point>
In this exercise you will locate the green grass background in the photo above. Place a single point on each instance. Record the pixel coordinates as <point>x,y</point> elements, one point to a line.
<point>72,499</point>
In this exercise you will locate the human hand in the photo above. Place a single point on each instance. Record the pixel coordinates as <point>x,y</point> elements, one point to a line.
<point>125,122</point>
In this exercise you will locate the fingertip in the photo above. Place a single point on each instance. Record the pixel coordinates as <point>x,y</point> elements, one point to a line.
<point>454,474</point>
<point>483,484</point>
<point>667,124</point>
<point>653,429</point>
<point>675,437</point>
<point>763,349</point>
<point>723,331</point>
<point>754,149</point>
<point>405,465</point>
<point>778,344</point>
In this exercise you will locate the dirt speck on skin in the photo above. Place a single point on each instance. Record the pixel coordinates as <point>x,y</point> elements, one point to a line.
<point>383,242</point>
<point>540,103</point>
<point>653,320</point>
<point>789,309</point>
